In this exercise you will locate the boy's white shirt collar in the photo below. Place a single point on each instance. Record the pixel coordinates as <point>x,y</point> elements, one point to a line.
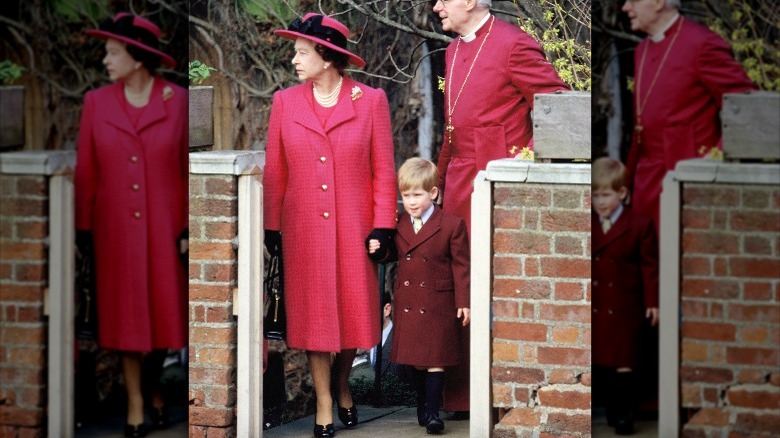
<point>470,37</point>
<point>615,214</point>
<point>425,216</point>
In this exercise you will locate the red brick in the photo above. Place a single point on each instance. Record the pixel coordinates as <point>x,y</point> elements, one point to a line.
<point>23,376</point>
<point>23,335</point>
<point>210,376</point>
<point>6,270</point>
<point>212,251</point>
<point>219,273</point>
<point>507,219</point>
<point>195,271</point>
<point>532,267</point>
<point>710,243</point>
<point>690,395</point>
<point>527,196</point>
<point>711,396</point>
<point>30,272</point>
<point>565,335</point>
<point>716,417</point>
<point>568,245</point>
<point>558,375</point>
<point>753,334</point>
<point>757,245</point>
<point>693,266</point>
<point>221,397</point>
<point>28,356</point>
<point>564,396</point>
<point>520,331</point>
<point>565,291</point>
<point>203,416</point>
<point>703,374</point>
<point>223,186</point>
<point>31,186</point>
<point>755,198</point>
<point>709,331</point>
<point>755,221</point>
<point>216,356</point>
<point>710,196</point>
<point>22,251</point>
<point>694,352</point>
<point>518,288</point>
<point>30,432</point>
<point>688,432</point>
<point>697,219</point>
<point>758,423</point>
<point>720,266</point>
<point>694,308</point>
<point>531,220</point>
<point>566,220</point>
<point>505,352</point>
<point>753,356</point>
<point>512,242</point>
<point>505,309</point>
<point>32,230</point>
<point>756,313</point>
<point>198,431</point>
<point>774,379</point>
<point>586,337</point>
<point>751,376</point>
<point>526,417</point>
<point>710,288</point>
<point>219,314</point>
<point>507,266</point>
<point>757,291</point>
<point>522,395</point>
<point>565,312</point>
<point>571,199</point>
<point>32,313</point>
<point>565,268</point>
<point>221,230</point>
<point>754,267</point>
<point>564,356</point>
<point>516,375</point>
<point>567,422</point>
<point>16,416</point>
<point>211,207</point>
<point>717,310</point>
<point>212,335</point>
<point>208,292</point>
<point>754,397</point>
<point>528,310</point>
<point>25,207</point>
<point>502,395</point>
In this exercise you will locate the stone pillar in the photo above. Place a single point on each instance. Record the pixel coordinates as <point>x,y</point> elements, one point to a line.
<point>726,289</point>
<point>537,283</point>
<point>225,269</point>
<point>36,278</point>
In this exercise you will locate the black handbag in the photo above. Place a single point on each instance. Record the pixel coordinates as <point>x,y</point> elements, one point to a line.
<point>275,319</point>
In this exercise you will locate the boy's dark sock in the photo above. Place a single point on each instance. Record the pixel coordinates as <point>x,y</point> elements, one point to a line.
<point>419,377</point>
<point>625,401</point>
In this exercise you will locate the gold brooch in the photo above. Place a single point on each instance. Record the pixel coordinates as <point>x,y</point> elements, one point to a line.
<point>167,92</point>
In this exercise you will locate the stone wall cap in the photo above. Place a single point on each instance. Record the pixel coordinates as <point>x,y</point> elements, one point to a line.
<point>227,162</point>
<point>515,170</point>
<point>37,162</point>
<point>716,171</point>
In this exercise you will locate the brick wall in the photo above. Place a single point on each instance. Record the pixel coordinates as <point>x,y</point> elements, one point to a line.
<point>541,307</point>
<point>213,276</point>
<point>730,303</point>
<point>23,278</point>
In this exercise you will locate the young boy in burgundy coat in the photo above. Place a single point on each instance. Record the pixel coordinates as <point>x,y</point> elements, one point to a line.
<point>625,289</point>
<point>432,287</point>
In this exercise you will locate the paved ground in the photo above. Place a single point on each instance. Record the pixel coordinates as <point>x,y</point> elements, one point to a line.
<point>115,427</point>
<point>643,429</point>
<point>390,422</point>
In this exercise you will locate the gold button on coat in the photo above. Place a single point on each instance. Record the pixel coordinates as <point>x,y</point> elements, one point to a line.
<point>137,214</point>
<point>325,215</point>
<point>324,187</point>
<point>135,187</point>
<point>323,159</point>
<point>134,159</point>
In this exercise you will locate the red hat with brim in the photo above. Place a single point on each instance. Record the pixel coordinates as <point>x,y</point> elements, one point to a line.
<point>323,30</point>
<point>135,30</point>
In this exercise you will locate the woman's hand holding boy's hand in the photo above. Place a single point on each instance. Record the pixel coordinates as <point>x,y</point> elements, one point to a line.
<point>373,246</point>
<point>465,312</point>
<point>384,246</point>
<point>652,313</point>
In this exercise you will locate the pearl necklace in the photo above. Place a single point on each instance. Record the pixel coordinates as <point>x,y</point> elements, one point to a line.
<point>141,98</point>
<point>330,99</point>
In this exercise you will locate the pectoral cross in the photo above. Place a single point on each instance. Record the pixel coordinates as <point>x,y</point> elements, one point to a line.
<point>449,128</point>
<point>638,129</point>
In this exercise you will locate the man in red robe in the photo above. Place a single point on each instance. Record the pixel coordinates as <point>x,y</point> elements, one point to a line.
<point>494,69</point>
<point>682,71</point>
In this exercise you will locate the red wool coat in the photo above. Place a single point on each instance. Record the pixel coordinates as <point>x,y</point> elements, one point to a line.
<point>680,118</point>
<point>624,280</point>
<point>131,189</point>
<point>432,284</point>
<point>492,117</point>
<point>326,189</point>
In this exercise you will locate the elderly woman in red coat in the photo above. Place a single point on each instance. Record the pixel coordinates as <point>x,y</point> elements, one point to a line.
<point>131,201</point>
<point>328,184</point>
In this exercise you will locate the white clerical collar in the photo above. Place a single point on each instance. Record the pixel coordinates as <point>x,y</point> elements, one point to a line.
<point>657,38</point>
<point>470,37</point>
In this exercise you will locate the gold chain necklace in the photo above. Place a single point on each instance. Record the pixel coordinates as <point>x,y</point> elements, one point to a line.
<point>450,106</point>
<point>330,99</point>
<point>639,106</point>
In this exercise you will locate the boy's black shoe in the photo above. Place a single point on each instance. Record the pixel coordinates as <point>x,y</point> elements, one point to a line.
<point>434,425</point>
<point>422,414</point>
<point>624,426</point>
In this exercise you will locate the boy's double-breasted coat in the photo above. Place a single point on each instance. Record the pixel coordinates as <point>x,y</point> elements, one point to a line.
<point>625,283</point>
<point>325,189</point>
<point>131,187</point>
<point>431,285</point>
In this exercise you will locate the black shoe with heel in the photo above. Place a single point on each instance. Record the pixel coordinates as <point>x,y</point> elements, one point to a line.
<point>160,417</point>
<point>324,431</point>
<point>137,431</point>
<point>348,416</point>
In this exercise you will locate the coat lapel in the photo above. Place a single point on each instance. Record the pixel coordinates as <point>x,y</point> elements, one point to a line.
<point>155,109</point>
<point>429,229</point>
<point>115,108</point>
<point>304,98</point>
<point>344,110</point>
<point>618,229</point>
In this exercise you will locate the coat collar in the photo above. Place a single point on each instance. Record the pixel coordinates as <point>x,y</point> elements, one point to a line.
<point>431,227</point>
<point>620,227</point>
<point>343,112</point>
<point>154,111</point>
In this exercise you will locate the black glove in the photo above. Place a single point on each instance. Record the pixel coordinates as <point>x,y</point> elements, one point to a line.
<point>85,244</point>
<point>273,242</point>
<point>387,250</point>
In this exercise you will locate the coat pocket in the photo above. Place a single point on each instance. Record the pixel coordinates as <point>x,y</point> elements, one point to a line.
<point>444,285</point>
